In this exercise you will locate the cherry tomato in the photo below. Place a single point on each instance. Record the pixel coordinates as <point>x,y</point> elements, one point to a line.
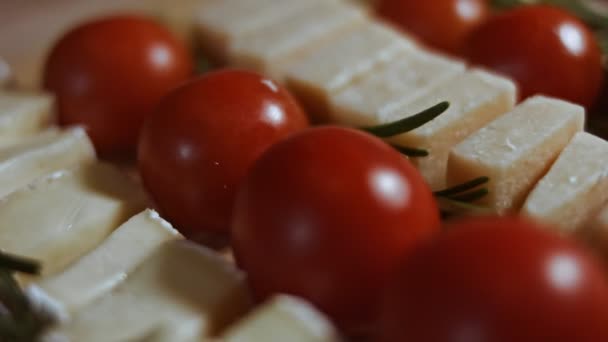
<point>326,215</point>
<point>497,280</point>
<point>443,24</point>
<point>201,140</point>
<point>544,49</point>
<point>108,75</point>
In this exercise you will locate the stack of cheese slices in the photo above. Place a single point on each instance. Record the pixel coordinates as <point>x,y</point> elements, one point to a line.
<point>115,271</point>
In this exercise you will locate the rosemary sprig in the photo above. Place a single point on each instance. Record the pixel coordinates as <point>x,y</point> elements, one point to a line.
<point>411,152</point>
<point>409,123</point>
<point>469,197</point>
<point>460,198</point>
<point>460,188</point>
<point>451,207</point>
<point>19,264</point>
<point>20,322</point>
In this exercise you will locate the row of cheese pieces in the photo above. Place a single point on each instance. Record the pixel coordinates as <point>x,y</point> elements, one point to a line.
<point>354,70</point>
<point>62,207</point>
<point>360,73</point>
<point>145,283</point>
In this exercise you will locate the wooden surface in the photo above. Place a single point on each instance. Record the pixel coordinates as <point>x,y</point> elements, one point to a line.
<point>28,28</point>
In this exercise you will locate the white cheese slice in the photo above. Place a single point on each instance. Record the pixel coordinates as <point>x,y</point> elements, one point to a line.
<point>316,75</point>
<point>181,282</point>
<point>14,140</point>
<point>62,216</point>
<point>6,75</point>
<point>282,318</point>
<point>576,186</point>
<point>476,98</point>
<point>22,163</point>
<point>516,149</point>
<point>262,49</point>
<point>109,264</point>
<point>407,76</point>
<point>219,23</point>
<point>24,114</point>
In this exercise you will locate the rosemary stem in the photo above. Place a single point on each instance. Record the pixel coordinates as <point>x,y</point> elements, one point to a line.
<point>18,264</point>
<point>409,123</point>
<point>462,187</point>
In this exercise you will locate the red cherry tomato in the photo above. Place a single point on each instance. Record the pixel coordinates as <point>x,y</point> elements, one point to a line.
<point>499,280</point>
<point>326,215</point>
<point>443,24</point>
<point>545,49</point>
<point>199,143</point>
<point>109,74</point>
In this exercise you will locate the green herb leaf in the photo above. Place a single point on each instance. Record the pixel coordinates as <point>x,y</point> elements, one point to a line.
<point>19,264</point>
<point>409,123</point>
<point>451,207</point>
<point>411,152</point>
<point>460,188</point>
<point>470,196</point>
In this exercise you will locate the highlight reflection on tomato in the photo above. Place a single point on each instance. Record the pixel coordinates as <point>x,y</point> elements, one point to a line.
<point>327,215</point>
<point>108,75</point>
<point>498,280</point>
<point>201,140</point>
<point>443,24</point>
<point>545,49</point>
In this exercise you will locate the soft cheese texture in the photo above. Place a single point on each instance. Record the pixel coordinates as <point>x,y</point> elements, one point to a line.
<point>476,98</point>
<point>315,76</point>
<point>516,149</point>
<point>61,217</point>
<point>282,318</point>
<point>20,164</point>
<point>220,23</point>
<point>576,186</point>
<point>109,264</point>
<point>22,115</point>
<point>262,49</point>
<point>410,74</point>
<point>181,283</point>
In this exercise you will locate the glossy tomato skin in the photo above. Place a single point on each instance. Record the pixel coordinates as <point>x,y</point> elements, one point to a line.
<point>544,49</point>
<point>497,280</point>
<point>199,143</point>
<point>326,215</point>
<point>108,75</point>
<point>442,24</point>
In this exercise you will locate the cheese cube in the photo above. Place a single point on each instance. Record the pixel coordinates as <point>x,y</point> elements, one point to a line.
<point>219,23</point>
<point>264,48</point>
<point>180,283</point>
<point>282,318</point>
<point>5,73</point>
<point>407,76</point>
<point>62,216</point>
<point>109,264</point>
<point>576,186</point>
<point>476,98</point>
<point>24,114</point>
<point>22,163</point>
<point>516,149</point>
<point>315,76</point>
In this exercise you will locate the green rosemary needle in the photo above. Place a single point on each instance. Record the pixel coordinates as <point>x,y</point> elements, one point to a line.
<point>409,123</point>
<point>19,264</point>
<point>460,188</point>
<point>411,152</point>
